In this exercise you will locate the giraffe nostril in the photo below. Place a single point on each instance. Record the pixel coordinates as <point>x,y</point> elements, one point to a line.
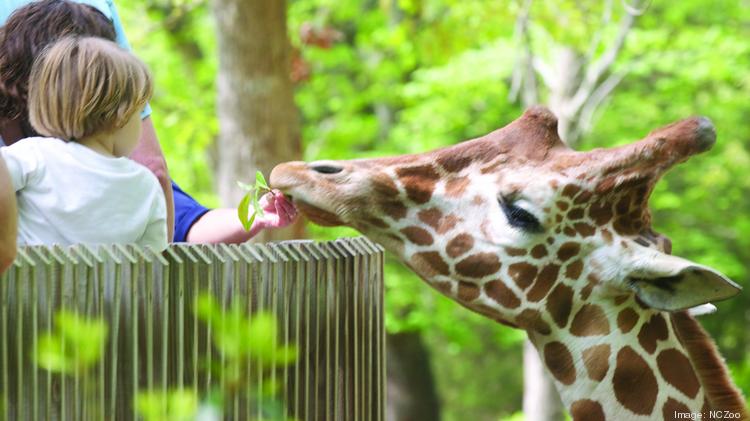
<point>326,168</point>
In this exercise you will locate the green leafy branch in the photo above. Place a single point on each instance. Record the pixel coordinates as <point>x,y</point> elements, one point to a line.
<point>252,197</point>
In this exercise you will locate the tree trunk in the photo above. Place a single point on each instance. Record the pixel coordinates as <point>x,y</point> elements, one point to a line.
<point>258,120</point>
<point>541,402</point>
<point>411,387</point>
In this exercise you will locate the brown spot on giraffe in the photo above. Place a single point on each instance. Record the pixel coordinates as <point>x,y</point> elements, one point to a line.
<point>590,320</point>
<point>444,287</point>
<point>570,191</point>
<point>620,299</point>
<point>676,369</point>
<point>383,185</point>
<point>543,282</point>
<point>467,291</point>
<point>606,185</point>
<point>515,252</point>
<point>431,217</point>
<point>426,171</point>
<point>447,223</point>
<point>418,236</point>
<point>652,331</point>
<point>559,303</point>
<point>459,245</point>
<point>454,163</point>
<point>420,190</point>
<point>672,407</point>
<point>587,410</point>
<point>596,361</point>
<point>575,213</point>
<point>532,320</point>
<point>478,265</point>
<point>634,383</point>
<point>627,319</point>
<point>501,294</point>
<point>539,251</point>
<point>432,262</point>
<point>559,361</point>
<point>574,269</point>
<point>584,229</point>
<point>562,205</point>
<point>522,274</point>
<point>456,186</point>
<point>568,250</point>
<point>394,208</point>
<point>600,212</point>
<point>583,198</point>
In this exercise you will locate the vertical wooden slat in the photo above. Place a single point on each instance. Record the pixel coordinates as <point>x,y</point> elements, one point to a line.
<point>326,297</point>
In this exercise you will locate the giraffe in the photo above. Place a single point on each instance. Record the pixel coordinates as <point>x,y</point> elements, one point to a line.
<point>520,228</point>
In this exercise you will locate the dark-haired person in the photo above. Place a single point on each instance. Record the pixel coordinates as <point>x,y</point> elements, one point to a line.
<point>27,27</point>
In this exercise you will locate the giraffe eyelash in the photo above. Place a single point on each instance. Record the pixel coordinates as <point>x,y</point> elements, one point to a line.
<point>518,217</point>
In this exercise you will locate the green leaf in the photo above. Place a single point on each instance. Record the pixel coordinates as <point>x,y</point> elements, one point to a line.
<point>256,204</point>
<point>50,355</point>
<point>242,212</point>
<point>260,181</point>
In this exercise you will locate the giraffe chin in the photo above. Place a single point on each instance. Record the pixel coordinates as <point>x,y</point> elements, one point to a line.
<point>317,215</point>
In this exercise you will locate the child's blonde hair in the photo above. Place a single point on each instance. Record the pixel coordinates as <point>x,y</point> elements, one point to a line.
<point>84,86</point>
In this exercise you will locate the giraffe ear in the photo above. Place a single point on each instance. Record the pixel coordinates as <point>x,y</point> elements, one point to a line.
<point>671,283</point>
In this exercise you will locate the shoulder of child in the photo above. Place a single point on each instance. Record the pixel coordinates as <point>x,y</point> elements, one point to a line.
<point>149,185</point>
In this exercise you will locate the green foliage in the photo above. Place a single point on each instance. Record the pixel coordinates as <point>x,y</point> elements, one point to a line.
<point>250,351</point>
<point>248,345</point>
<point>243,339</point>
<point>74,347</point>
<point>173,405</point>
<point>252,197</point>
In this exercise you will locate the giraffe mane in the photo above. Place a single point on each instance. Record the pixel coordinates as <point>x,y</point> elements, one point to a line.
<point>721,393</point>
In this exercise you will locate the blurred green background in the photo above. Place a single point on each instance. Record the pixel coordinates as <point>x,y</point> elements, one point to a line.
<point>411,75</point>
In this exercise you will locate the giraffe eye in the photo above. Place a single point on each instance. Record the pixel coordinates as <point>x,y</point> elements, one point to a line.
<point>520,218</point>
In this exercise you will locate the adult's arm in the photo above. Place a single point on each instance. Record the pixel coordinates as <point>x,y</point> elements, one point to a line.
<point>8,219</point>
<point>149,154</point>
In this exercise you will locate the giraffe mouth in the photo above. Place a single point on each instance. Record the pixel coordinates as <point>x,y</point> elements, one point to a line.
<point>317,215</point>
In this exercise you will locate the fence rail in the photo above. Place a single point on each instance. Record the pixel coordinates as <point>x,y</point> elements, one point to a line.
<point>327,299</point>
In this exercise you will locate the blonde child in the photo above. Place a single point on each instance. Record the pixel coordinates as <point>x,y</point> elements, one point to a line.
<point>76,185</point>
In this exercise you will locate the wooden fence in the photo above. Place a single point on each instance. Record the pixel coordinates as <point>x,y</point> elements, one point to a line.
<point>327,298</point>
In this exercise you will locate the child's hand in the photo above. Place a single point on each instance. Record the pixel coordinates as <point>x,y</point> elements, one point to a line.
<point>278,211</point>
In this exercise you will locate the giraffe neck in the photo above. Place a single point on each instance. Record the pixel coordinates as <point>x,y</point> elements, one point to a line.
<point>631,363</point>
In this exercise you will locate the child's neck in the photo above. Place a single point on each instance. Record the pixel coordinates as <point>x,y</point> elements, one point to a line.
<point>104,145</point>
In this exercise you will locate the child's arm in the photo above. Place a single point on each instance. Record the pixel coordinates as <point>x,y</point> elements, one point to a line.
<point>223,226</point>
<point>8,218</point>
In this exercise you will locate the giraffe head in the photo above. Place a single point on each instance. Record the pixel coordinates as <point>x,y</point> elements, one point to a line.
<point>513,219</point>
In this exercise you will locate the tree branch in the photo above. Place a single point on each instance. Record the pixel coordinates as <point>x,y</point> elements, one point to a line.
<point>524,77</point>
<point>595,99</point>
<point>597,69</point>
<point>597,39</point>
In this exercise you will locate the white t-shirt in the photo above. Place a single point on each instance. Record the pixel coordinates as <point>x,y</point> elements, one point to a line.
<point>70,194</point>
